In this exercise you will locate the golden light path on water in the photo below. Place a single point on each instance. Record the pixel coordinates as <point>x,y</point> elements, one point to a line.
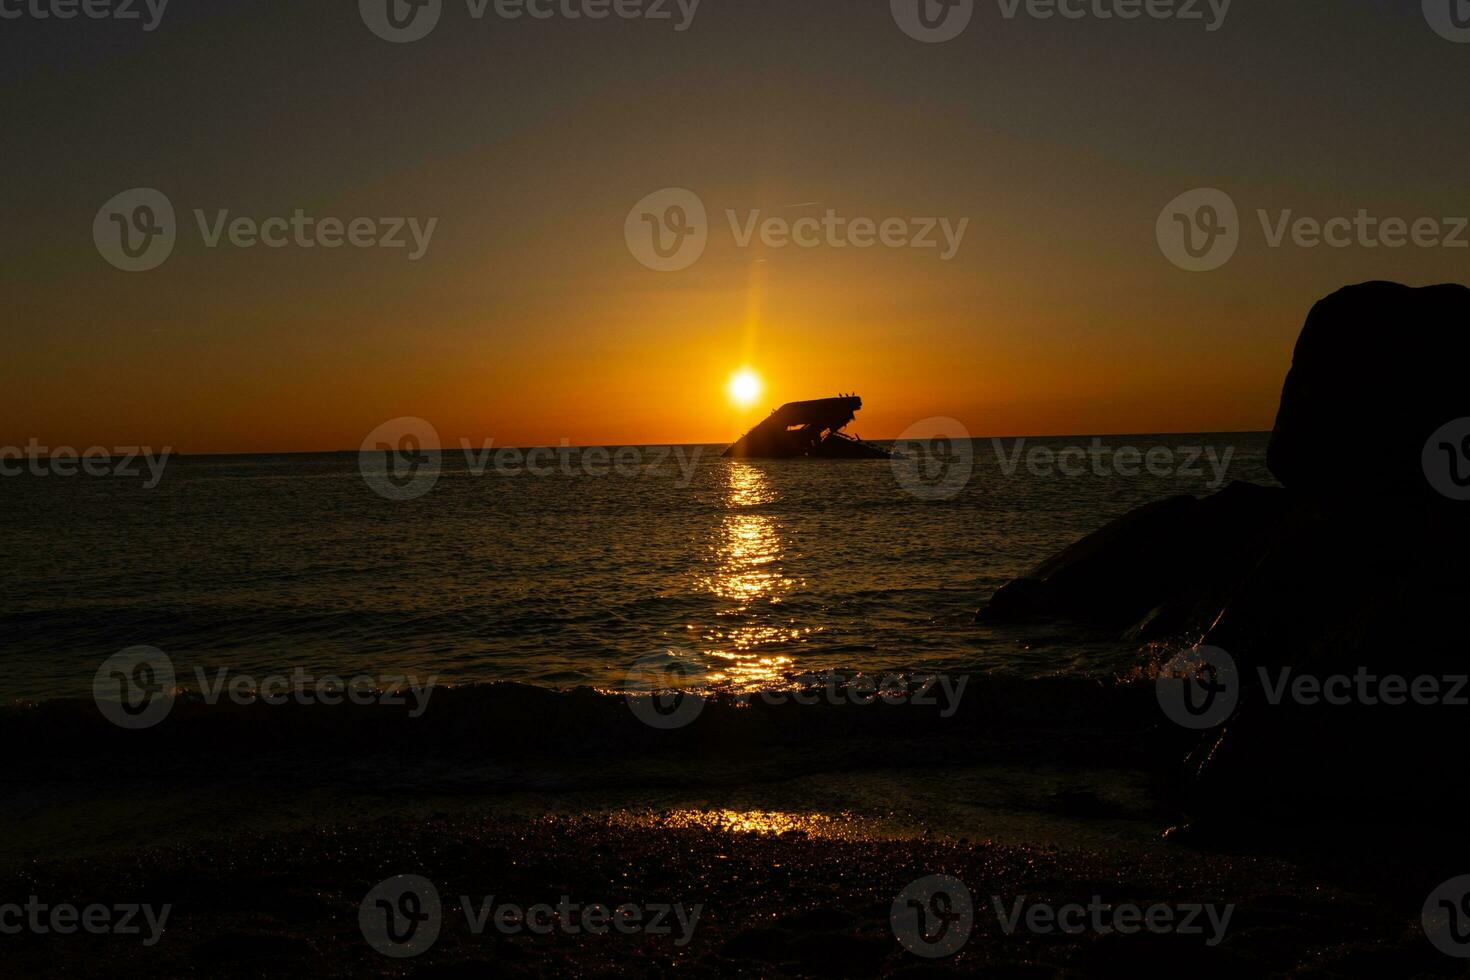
<point>747,557</point>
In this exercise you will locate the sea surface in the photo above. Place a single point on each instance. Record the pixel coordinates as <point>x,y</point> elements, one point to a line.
<point>769,569</point>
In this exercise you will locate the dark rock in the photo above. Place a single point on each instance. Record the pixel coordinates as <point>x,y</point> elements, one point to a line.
<point>1344,573</point>
<point>1345,595</point>
<point>836,955</point>
<point>764,944</point>
<point>255,947</point>
<point>819,920</point>
<point>1019,600</point>
<point>1168,954</point>
<point>1157,564</point>
<point>1378,368</point>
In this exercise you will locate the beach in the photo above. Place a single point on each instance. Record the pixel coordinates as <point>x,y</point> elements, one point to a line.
<point>794,828</point>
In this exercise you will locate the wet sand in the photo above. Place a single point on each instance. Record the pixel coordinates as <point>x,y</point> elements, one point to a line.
<point>264,830</point>
<point>779,896</point>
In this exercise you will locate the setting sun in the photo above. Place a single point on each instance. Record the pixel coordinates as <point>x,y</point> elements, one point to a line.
<point>745,387</point>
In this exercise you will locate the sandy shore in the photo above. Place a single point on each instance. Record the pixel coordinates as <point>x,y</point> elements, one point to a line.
<point>265,832</point>
<point>812,900</point>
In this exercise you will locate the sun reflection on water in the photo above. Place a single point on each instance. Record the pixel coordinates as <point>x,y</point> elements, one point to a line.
<point>747,556</point>
<point>748,550</point>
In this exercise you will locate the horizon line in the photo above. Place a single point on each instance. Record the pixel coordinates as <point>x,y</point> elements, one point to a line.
<point>653,445</point>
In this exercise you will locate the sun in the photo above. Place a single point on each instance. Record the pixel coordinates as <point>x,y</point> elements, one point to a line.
<point>745,387</point>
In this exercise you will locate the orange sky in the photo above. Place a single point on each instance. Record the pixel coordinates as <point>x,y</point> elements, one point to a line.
<point>529,321</point>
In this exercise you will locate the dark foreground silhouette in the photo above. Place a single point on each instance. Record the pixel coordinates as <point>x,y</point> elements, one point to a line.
<point>1351,572</point>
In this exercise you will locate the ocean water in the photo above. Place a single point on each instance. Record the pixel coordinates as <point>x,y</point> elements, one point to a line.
<point>267,564</point>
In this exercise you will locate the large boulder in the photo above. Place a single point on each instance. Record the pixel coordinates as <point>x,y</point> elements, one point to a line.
<point>1343,597</point>
<point>1152,568</point>
<point>1350,573</point>
<point>1378,368</point>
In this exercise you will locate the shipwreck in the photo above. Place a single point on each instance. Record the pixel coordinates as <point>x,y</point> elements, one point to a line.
<point>811,429</point>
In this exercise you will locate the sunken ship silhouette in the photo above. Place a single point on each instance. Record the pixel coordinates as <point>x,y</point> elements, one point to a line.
<point>811,429</point>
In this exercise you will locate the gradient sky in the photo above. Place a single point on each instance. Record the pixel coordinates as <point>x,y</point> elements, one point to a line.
<point>529,321</point>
